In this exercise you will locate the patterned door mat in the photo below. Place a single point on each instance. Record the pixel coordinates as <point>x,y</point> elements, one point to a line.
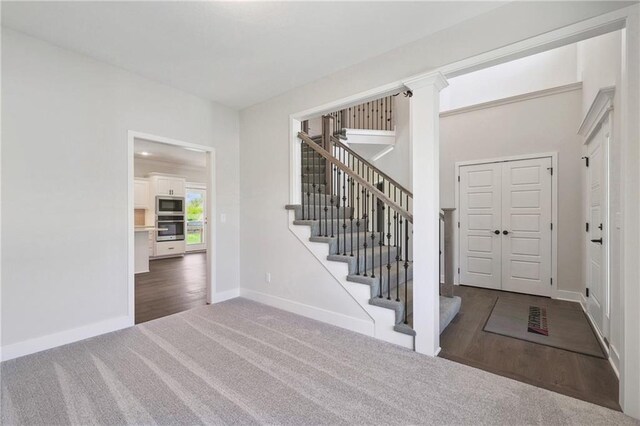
<point>564,327</point>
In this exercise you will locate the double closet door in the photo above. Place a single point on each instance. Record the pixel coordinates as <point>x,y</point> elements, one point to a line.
<point>505,225</point>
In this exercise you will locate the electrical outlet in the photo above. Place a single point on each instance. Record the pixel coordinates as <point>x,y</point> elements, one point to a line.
<point>267,277</point>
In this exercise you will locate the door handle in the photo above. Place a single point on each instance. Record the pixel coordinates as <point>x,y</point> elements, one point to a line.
<point>505,232</point>
<point>599,241</point>
<point>497,232</point>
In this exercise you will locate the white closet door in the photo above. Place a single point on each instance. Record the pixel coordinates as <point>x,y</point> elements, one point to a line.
<point>596,281</point>
<point>480,217</point>
<point>526,225</point>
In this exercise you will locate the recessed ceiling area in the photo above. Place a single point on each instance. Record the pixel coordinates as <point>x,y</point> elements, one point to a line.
<point>235,53</point>
<point>148,150</point>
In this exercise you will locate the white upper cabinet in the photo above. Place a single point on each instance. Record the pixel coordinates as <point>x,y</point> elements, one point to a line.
<point>141,194</point>
<point>168,185</point>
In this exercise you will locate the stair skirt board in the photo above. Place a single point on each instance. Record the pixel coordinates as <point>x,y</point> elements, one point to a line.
<point>384,318</point>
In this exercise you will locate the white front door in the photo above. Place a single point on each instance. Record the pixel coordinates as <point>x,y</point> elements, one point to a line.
<point>505,225</point>
<point>526,224</point>
<point>480,218</point>
<point>596,267</point>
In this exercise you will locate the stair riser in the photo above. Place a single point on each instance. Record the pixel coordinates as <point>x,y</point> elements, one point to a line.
<point>396,278</point>
<point>317,212</point>
<point>318,189</point>
<point>358,241</point>
<point>316,227</point>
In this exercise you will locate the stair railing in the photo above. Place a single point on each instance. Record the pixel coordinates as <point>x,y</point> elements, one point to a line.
<point>372,115</point>
<point>366,214</point>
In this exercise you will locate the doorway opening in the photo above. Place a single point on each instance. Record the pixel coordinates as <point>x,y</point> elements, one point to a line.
<point>171,199</point>
<point>527,256</point>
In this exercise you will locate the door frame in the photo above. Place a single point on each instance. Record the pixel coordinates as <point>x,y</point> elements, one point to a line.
<point>600,113</point>
<point>555,293</point>
<point>210,227</point>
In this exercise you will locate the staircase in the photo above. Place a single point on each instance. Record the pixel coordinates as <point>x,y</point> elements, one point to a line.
<point>358,222</point>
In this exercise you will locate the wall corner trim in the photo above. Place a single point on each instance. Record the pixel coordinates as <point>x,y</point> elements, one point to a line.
<point>65,337</point>
<point>601,105</point>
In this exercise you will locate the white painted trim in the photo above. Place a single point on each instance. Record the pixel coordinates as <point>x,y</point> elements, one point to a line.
<point>579,31</point>
<point>49,341</point>
<point>226,295</point>
<point>601,105</point>
<point>425,167</point>
<point>211,207</point>
<point>369,132</point>
<point>339,320</point>
<point>570,296</point>
<point>513,99</point>
<point>554,211</point>
<point>614,359</point>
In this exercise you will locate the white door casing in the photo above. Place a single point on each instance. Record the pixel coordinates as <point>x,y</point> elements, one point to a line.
<point>512,196</point>
<point>526,217</point>
<point>480,217</point>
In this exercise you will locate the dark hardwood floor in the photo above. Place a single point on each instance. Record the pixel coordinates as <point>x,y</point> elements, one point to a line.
<point>172,285</point>
<point>580,376</point>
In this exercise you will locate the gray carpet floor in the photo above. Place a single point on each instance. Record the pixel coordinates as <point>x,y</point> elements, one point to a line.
<point>240,362</point>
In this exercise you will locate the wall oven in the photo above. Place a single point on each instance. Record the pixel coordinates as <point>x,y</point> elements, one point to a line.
<point>170,227</point>
<point>169,205</point>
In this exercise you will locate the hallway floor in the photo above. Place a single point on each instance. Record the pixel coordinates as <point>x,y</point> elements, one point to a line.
<point>580,376</point>
<point>171,286</point>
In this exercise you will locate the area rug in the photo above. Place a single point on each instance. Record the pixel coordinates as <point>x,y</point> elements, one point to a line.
<point>562,327</point>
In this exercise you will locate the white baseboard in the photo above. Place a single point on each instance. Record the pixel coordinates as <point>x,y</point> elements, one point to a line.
<point>614,359</point>
<point>571,296</point>
<point>221,296</point>
<point>49,341</point>
<point>339,320</point>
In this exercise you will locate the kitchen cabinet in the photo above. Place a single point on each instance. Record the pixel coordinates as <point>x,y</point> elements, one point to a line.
<point>170,248</point>
<point>141,194</point>
<point>168,185</point>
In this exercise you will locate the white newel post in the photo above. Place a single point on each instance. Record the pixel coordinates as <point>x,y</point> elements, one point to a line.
<point>424,123</point>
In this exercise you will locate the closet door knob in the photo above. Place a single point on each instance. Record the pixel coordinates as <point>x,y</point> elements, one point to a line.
<point>497,232</point>
<point>505,232</point>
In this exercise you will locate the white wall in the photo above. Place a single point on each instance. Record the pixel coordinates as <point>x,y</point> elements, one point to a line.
<point>598,65</point>
<point>143,166</point>
<point>546,124</point>
<point>548,69</point>
<point>397,163</point>
<point>64,183</point>
<point>266,244</point>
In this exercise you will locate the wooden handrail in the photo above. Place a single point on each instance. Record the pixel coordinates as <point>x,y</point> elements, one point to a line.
<point>333,160</point>
<point>337,142</point>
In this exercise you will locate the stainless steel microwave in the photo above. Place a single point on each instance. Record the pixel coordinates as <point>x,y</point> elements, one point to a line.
<point>169,205</point>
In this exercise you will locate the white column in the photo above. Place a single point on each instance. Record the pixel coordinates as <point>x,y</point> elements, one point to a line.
<point>424,123</point>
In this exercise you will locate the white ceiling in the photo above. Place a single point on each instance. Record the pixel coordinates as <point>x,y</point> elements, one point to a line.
<point>235,53</point>
<point>169,154</point>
